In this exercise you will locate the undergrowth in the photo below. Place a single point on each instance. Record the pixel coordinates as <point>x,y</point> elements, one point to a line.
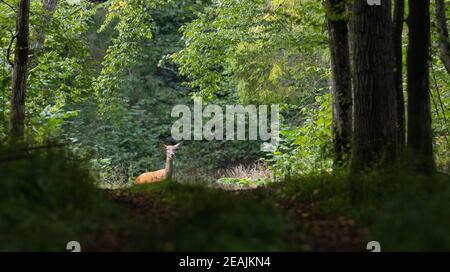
<point>47,199</point>
<point>214,220</point>
<point>401,210</point>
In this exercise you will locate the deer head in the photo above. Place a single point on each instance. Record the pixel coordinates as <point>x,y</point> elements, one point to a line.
<point>170,150</point>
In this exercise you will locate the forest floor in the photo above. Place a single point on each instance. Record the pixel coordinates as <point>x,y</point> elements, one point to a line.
<point>56,200</point>
<point>184,217</point>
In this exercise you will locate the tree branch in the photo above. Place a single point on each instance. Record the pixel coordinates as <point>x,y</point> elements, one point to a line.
<point>8,52</point>
<point>73,13</point>
<point>9,5</point>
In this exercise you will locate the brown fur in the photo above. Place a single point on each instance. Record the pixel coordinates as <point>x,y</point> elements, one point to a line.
<point>163,174</point>
<point>149,177</point>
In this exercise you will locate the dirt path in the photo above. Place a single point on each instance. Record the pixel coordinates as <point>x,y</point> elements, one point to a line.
<point>316,231</point>
<point>326,232</point>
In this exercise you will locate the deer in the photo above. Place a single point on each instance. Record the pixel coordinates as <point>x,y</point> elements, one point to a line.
<point>163,174</point>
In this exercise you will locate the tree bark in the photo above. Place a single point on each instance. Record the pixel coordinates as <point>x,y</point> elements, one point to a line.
<point>17,118</point>
<point>444,44</point>
<point>399,13</point>
<point>374,99</point>
<point>48,7</point>
<point>419,110</point>
<point>341,80</point>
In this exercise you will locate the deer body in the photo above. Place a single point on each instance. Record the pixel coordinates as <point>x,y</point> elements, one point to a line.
<point>163,174</point>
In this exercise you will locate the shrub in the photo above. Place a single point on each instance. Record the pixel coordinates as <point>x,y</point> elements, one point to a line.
<point>47,199</point>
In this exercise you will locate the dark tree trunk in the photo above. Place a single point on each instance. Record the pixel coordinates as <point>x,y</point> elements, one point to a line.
<point>444,43</point>
<point>341,80</point>
<point>419,110</point>
<point>17,118</point>
<point>399,13</point>
<point>375,106</point>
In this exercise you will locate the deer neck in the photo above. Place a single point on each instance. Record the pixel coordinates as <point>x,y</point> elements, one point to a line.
<point>169,167</point>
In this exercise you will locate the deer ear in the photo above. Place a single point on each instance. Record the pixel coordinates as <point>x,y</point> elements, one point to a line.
<point>162,145</point>
<point>177,145</point>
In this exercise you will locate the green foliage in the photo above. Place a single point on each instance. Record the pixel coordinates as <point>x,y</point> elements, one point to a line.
<point>131,22</point>
<point>306,148</point>
<point>59,70</point>
<point>200,160</point>
<point>118,142</point>
<point>129,112</point>
<point>129,115</point>
<point>243,182</point>
<point>267,51</point>
<point>440,105</point>
<point>277,56</point>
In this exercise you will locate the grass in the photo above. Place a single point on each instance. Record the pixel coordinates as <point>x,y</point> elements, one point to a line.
<point>241,183</point>
<point>49,198</point>
<point>401,210</point>
<point>213,220</point>
<point>243,177</point>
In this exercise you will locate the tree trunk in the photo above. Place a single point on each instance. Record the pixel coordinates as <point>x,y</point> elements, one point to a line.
<point>374,99</point>
<point>17,118</point>
<point>419,110</point>
<point>399,13</point>
<point>341,81</point>
<point>444,43</point>
<point>48,7</point>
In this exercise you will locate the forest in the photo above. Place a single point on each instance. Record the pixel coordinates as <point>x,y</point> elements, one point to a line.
<point>94,95</point>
